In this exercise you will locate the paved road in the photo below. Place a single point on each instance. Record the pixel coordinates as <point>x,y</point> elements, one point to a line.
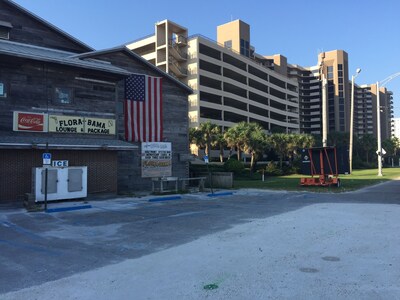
<point>251,245</point>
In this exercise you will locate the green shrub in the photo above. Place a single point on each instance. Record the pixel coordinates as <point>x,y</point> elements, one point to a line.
<point>273,170</point>
<point>358,163</point>
<point>233,165</point>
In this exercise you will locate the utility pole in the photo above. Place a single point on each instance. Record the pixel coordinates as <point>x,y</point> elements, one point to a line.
<point>378,129</point>
<point>324,103</point>
<point>324,113</point>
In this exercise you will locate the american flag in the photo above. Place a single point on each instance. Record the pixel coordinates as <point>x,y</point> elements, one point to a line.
<point>143,109</point>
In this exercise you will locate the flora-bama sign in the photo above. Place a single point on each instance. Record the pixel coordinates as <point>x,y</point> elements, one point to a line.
<point>62,124</point>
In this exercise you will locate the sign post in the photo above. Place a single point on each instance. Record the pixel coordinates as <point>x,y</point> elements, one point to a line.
<point>46,163</point>
<point>209,172</point>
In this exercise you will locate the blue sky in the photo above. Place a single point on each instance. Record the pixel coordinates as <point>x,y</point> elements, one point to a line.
<point>369,31</point>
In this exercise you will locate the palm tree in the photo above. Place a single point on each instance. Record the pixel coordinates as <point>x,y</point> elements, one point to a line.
<point>391,146</point>
<point>220,142</point>
<point>279,143</point>
<point>254,142</point>
<point>208,131</point>
<point>234,137</point>
<point>302,141</point>
<point>367,144</point>
<point>195,137</point>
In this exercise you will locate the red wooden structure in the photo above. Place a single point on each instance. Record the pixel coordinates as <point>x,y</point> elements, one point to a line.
<point>323,167</point>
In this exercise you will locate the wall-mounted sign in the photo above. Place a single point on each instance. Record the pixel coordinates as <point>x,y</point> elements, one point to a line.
<point>66,124</point>
<point>72,124</point>
<point>24,121</point>
<point>99,126</point>
<point>156,159</point>
<point>59,163</point>
<point>46,158</point>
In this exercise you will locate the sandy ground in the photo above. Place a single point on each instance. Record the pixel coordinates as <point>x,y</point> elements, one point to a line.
<point>321,251</point>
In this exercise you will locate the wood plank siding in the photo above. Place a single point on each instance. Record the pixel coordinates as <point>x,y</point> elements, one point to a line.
<point>95,79</point>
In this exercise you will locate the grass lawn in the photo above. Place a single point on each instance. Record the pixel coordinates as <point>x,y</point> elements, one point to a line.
<point>357,180</point>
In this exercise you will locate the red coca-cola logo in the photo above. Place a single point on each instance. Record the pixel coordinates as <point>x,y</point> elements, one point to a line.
<point>30,122</point>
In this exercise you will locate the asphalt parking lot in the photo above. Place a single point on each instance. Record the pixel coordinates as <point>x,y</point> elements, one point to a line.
<point>337,240</point>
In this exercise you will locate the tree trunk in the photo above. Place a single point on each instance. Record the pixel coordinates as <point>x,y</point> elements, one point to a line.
<point>221,154</point>
<point>238,153</point>
<point>252,163</point>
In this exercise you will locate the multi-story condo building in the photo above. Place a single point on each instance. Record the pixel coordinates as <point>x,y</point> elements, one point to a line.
<point>231,82</point>
<point>396,127</point>
<point>332,68</point>
<point>310,95</point>
<point>365,111</point>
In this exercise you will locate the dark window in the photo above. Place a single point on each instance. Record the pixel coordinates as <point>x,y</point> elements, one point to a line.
<point>258,73</point>
<point>207,66</point>
<point>340,67</point>
<point>258,98</point>
<point>277,94</point>
<point>244,47</point>
<point>234,118</point>
<point>259,111</point>
<point>235,76</point>
<point>235,103</point>
<point>257,85</point>
<point>340,80</point>
<point>207,97</point>
<point>203,49</point>
<point>209,113</point>
<point>277,82</point>
<point>234,62</point>
<point>63,95</point>
<point>209,82</point>
<point>330,72</point>
<point>234,89</point>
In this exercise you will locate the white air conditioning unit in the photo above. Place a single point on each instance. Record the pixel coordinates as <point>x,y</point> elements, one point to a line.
<point>62,183</point>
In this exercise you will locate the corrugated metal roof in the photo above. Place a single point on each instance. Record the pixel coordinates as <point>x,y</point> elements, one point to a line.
<point>39,142</point>
<point>56,56</point>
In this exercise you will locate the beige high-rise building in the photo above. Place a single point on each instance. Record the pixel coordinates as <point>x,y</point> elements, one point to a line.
<point>365,111</point>
<point>233,83</point>
<point>229,85</point>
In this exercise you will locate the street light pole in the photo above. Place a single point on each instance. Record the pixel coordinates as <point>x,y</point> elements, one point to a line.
<point>324,113</point>
<point>352,121</point>
<point>378,128</point>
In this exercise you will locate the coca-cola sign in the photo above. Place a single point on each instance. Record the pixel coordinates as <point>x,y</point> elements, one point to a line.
<point>29,122</point>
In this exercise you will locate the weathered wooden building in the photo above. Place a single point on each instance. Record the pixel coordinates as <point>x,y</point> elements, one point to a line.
<point>53,86</point>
